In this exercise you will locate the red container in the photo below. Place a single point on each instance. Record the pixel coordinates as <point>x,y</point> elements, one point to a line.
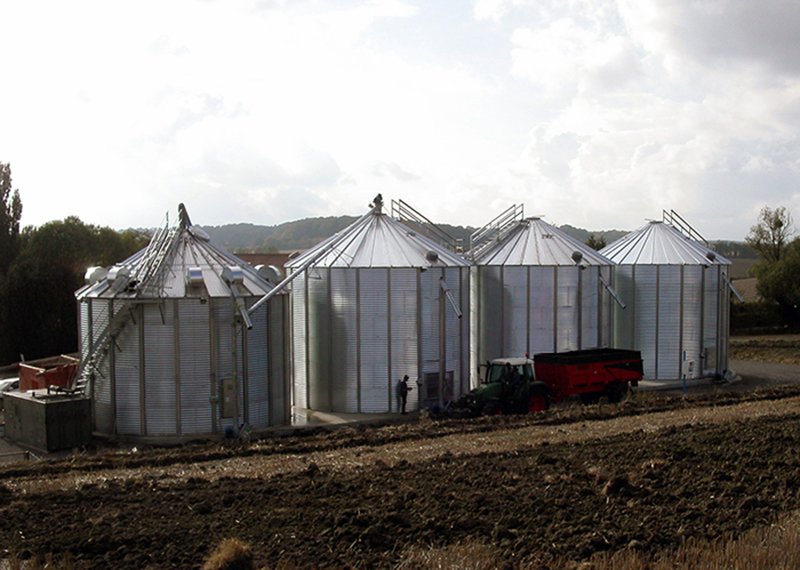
<point>591,371</point>
<point>53,371</point>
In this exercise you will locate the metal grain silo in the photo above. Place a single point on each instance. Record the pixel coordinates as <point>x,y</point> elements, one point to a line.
<point>169,349</point>
<point>678,301</point>
<point>371,304</point>
<point>537,289</point>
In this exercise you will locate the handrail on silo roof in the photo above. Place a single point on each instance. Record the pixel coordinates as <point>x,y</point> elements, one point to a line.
<point>674,219</point>
<point>376,206</point>
<point>403,212</point>
<point>495,230</point>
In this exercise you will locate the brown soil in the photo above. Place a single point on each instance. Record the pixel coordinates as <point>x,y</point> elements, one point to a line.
<point>543,490</point>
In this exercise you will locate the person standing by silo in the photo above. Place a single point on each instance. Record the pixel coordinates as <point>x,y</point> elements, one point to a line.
<point>402,392</point>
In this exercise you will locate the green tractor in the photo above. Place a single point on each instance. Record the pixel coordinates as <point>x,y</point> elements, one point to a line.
<point>509,387</point>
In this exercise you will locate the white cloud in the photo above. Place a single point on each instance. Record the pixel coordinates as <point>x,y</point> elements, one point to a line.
<point>593,112</point>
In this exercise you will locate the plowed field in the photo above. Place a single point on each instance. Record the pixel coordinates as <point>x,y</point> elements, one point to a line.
<point>543,490</point>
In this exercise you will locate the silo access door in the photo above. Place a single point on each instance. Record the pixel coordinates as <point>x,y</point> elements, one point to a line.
<point>431,389</point>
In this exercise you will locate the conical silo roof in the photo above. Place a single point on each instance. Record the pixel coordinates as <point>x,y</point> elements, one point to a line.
<point>535,242</point>
<point>378,240</point>
<point>179,261</point>
<point>657,243</point>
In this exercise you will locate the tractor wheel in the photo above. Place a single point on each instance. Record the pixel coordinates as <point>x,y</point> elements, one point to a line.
<point>491,409</point>
<point>538,402</point>
<point>616,392</point>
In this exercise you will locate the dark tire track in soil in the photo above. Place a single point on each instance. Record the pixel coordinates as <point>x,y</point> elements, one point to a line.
<point>538,505</point>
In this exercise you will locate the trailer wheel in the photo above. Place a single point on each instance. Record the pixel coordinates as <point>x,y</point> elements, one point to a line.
<point>616,392</point>
<point>590,398</point>
<point>538,402</point>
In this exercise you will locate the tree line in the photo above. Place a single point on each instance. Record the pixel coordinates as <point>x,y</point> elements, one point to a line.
<point>778,270</point>
<point>40,270</point>
<point>42,267</point>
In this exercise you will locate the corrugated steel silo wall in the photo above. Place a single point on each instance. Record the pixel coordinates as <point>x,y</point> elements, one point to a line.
<point>159,385</point>
<point>567,282</point>
<point>96,312</point>
<point>515,311</point>
<point>606,305</point>
<point>669,321</point>
<point>344,340</point>
<point>257,368</point>
<point>465,300</point>
<point>429,317</point>
<point>542,311</point>
<point>692,365</point>
<point>623,319</point>
<point>711,320</point>
<point>277,341</point>
<point>357,353</point>
<point>536,309</point>
<point>489,285</point>
<point>299,339</point>
<point>589,309</point>
<point>194,358</point>
<point>223,311</point>
<point>318,333</point>
<point>84,328</point>
<point>433,300</point>
<point>404,344</point>
<point>474,326</point>
<point>724,332</point>
<point>374,340</point>
<point>455,354</point>
<point>127,368</point>
<point>645,317</point>
<point>672,318</point>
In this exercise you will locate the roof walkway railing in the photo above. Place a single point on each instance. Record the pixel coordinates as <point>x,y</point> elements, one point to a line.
<point>403,212</point>
<point>674,219</point>
<point>495,230</point>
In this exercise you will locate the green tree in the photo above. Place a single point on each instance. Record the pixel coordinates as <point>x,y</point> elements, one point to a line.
<point>10,213</point>
<point>41,284</point>
<point>596,242</point>
<point>771,234</point>
<point>779,281</point>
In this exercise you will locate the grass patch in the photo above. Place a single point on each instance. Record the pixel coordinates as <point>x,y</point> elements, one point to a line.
<point>776,547</point>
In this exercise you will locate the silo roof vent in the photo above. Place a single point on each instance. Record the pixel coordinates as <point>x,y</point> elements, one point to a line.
<point>270,273</point>
<point>119,277</point>
<point>432,256</point>
<point>233,274</point>
<point>95,274</point>
<point>194,276</point>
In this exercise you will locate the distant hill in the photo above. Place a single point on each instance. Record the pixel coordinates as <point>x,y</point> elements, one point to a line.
<point>289,236</point>
<point>582,235</point>
<point>305,233</point>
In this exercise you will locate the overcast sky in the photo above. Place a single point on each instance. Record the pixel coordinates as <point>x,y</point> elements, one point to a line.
<point>593,113</point>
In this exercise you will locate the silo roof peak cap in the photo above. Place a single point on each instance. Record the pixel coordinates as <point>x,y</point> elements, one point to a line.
<point>183,216</point>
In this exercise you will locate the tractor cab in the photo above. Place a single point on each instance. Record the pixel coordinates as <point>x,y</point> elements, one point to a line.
<point>507,387</point>
<point>510,370</point>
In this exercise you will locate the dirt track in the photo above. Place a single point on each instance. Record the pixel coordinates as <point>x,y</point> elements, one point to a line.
<point>556,487</point>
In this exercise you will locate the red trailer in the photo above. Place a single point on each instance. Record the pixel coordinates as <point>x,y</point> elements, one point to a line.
<point>590,374</point>
<point>45,372</point>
